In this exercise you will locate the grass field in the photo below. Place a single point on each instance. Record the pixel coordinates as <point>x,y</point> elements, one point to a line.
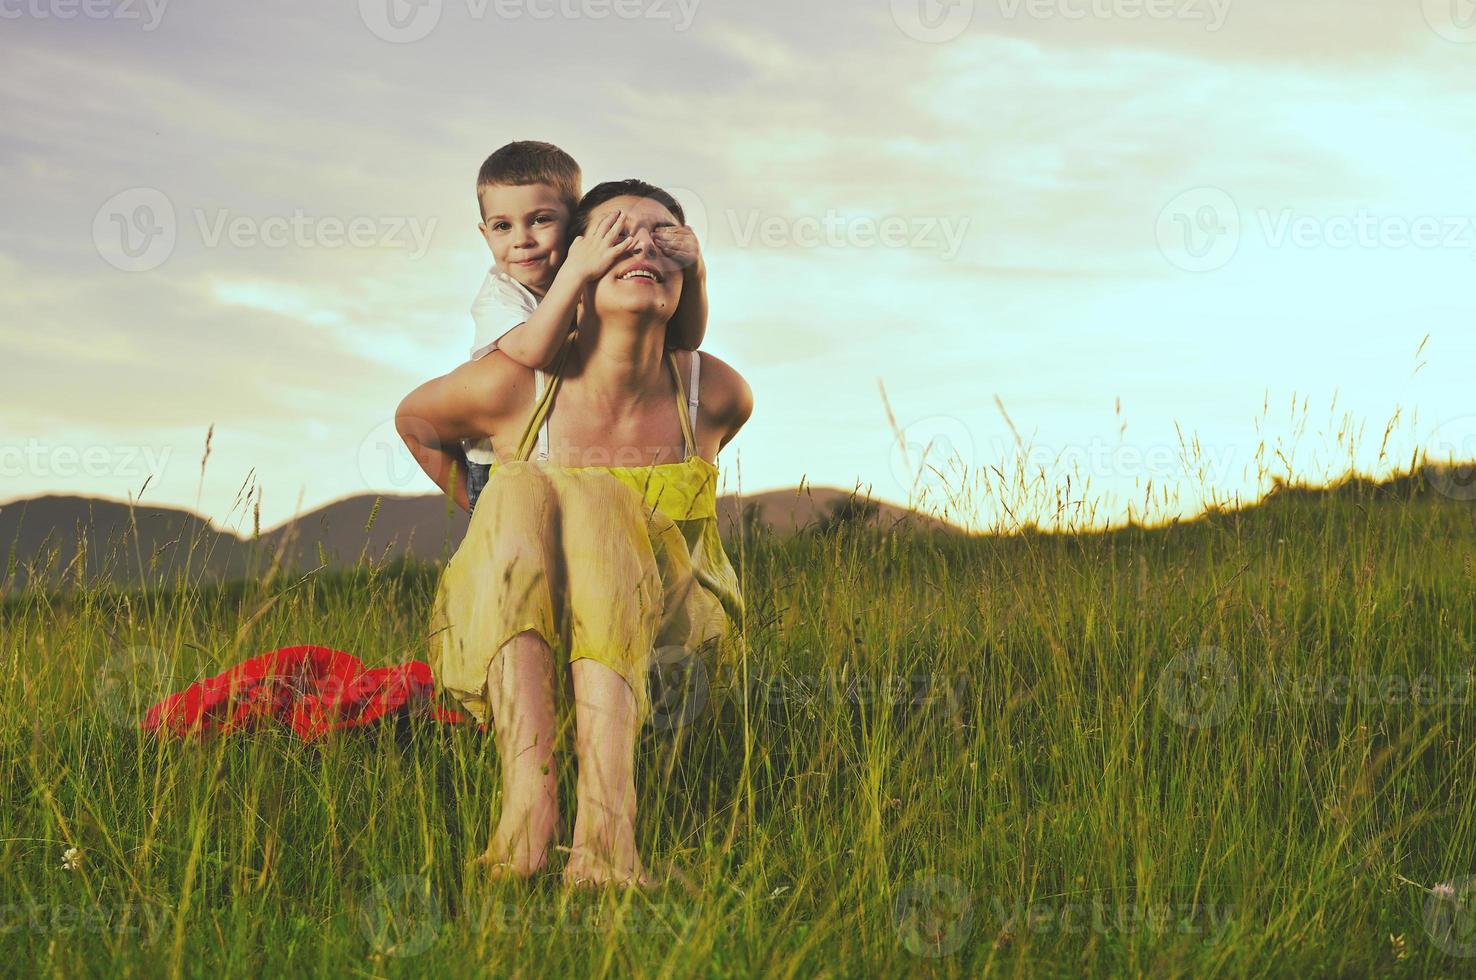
<point>1240,745</point>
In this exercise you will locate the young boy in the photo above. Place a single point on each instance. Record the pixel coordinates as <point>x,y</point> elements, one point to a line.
<point>527,192</point>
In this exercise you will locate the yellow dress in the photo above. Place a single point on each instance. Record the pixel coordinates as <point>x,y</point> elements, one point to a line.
<point>609,563</point>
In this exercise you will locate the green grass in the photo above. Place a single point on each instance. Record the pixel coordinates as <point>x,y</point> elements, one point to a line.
<point>1035,755</point>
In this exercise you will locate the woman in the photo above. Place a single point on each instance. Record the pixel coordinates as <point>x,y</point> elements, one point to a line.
<point>595,550</point>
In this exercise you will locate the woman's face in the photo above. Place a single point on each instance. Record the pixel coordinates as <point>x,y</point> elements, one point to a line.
<point>645,280</point>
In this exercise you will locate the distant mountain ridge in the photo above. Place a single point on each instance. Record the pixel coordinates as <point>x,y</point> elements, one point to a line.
<point>60,539</point>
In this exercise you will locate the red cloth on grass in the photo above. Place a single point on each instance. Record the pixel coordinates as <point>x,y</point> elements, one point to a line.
<point>311,689</point>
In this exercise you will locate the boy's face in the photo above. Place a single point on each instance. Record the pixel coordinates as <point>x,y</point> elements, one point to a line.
<point>525,228</point>
<point>620,289</point>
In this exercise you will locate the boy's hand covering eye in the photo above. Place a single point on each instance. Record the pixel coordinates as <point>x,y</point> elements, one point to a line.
<point>680,243</point>
<point>594,255</point>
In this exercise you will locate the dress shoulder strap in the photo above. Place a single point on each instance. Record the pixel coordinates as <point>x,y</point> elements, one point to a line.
<point>692,395</point>
<point>544,389</point>
<point>681,399</point>
<point>542,429</point>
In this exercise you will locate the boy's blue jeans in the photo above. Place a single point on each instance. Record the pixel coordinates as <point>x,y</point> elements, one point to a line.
<point>476,479</point>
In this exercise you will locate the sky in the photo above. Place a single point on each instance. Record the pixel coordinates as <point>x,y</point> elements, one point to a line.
<point>1067,262</point>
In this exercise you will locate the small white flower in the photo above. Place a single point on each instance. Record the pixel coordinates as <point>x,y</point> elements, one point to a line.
<point>71,859</point>
<point>1443,890</point>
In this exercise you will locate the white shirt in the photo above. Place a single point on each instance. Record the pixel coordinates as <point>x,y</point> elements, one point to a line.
<point>501,304</point>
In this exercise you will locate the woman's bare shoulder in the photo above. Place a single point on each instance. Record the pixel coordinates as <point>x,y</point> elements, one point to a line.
<point>725,398</point>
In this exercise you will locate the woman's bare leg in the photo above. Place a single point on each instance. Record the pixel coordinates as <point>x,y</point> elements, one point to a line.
<point>604,825</point>
<point>520,677</point>
<point>520,683</point>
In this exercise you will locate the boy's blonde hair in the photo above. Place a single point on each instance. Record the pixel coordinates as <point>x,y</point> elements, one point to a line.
<point>531,162</point>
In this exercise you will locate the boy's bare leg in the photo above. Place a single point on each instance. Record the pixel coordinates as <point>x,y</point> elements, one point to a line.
<point>520,684</point>
<point>604,825</point>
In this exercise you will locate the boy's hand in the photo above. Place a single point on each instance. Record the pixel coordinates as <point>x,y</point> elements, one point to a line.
<point>591,257</point>
<point>680,243</point>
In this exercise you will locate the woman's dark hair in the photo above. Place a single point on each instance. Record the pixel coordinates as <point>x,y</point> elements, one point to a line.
<point>610,189</point>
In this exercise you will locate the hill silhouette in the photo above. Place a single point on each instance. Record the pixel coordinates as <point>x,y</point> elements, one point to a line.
<point>58,541</point>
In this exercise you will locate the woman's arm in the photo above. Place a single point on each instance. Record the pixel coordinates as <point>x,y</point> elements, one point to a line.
<point>465,404</point>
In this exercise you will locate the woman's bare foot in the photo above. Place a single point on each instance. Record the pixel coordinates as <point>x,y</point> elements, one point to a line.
<point>604,852</point>
<point>520,844</point>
